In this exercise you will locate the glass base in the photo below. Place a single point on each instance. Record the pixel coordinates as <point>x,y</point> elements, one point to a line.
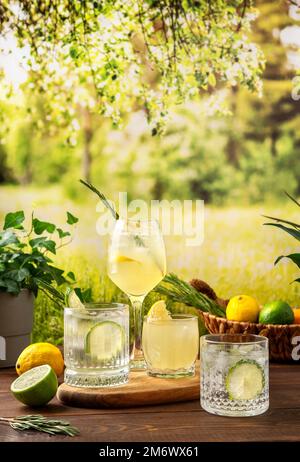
<point>96,379</point>
<point>138,365</point>
<point>172,374</point>
<point>235,413</point>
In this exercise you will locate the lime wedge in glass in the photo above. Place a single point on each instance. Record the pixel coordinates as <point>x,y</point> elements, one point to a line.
<point>35,387</point>
<point>245,380</point>
<point>72,300</point>
<point>105,340</point>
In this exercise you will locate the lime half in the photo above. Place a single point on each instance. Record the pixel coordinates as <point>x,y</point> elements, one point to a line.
<point>72,300</point>
<point>35,387</point>
<point>245,380</point>
<point>105,340</point>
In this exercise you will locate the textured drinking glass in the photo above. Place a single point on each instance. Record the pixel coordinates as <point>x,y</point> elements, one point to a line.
<point>171,346</point>
<point>234,373</point>
<point>96,345</point>
<point>136,264</point>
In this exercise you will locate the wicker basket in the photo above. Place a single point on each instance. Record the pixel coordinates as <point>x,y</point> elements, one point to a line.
<point>280,336</point>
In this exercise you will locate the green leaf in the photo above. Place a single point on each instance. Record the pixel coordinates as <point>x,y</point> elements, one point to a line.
<point>8,237</point>
<point>62,233</point>
<point>71,219</point>
<point>71,275</point>
<point>295,257</point>
<point>56,273</point>
<point>293,232</point>
<point>14,220</point>
<point>10,285</point>
<point>17,274</point>
<point>292,198</point>
<point>44,243</point>
<point>280,220</point>
<point>85,296</point>
<point>40,226</point>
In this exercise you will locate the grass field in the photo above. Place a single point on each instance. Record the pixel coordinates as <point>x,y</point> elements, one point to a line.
<point>236,257</point>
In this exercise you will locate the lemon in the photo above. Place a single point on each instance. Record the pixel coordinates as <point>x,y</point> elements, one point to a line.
<point>124,259</point>
<point>35,387</point>
<point>158,311</point>
<point>242,308</point>
<point>38,354</point>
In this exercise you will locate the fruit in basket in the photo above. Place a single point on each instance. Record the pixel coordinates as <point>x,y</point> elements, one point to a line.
<point>242,308</point>
<point>38,354</point>
<point>296,315</point>
<point>276,312</point>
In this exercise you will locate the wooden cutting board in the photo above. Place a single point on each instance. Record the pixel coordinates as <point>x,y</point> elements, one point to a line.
<point>141,390</point>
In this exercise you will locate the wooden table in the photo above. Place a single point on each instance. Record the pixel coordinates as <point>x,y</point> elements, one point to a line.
<point>183,422</point>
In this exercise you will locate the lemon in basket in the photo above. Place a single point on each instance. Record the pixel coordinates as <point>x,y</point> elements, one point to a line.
<point>242,308</point>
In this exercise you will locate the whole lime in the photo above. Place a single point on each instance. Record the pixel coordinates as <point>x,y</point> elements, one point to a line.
<point>276,312</point>
<point>35,387</point>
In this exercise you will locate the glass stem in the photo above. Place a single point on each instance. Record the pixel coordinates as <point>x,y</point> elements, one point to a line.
<point>136,354</point>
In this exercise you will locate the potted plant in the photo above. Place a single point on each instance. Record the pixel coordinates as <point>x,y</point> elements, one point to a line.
<point>26,268</point>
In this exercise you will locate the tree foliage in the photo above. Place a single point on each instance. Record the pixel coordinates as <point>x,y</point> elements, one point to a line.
<point>113,55</point>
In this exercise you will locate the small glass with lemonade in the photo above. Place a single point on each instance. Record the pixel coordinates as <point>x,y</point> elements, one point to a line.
<point>170,344</point>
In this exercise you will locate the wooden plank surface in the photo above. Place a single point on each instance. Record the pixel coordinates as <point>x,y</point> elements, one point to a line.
<point>178,422</point>
<point>141,390</point>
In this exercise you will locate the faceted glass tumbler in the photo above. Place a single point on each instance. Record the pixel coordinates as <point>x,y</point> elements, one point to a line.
<point>238,362</point>
<point>96,345</point>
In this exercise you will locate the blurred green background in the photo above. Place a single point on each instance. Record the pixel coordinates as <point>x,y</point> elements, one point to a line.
<point>239,164</point>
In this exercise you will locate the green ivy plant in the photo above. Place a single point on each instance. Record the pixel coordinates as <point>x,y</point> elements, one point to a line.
<point>25,256</point>
<point>293,229</point>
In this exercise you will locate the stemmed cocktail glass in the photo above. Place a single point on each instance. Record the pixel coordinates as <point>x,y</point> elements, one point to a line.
<point>136,264</point>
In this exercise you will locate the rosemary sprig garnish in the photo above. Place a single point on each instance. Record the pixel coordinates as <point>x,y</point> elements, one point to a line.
<point>40,423</point>
<point>180,291</point>
<point>107,204</point>
<point>102,198</point>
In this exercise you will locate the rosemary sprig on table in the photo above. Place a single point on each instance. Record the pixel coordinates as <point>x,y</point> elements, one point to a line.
<point>41,424</point>
<point>180,291</point>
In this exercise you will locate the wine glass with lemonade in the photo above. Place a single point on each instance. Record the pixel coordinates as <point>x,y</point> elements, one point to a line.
<point>136,264</point>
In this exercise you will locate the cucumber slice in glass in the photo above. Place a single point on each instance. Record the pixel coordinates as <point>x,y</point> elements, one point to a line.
<point>105,340</point>
<point>245,380</point>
